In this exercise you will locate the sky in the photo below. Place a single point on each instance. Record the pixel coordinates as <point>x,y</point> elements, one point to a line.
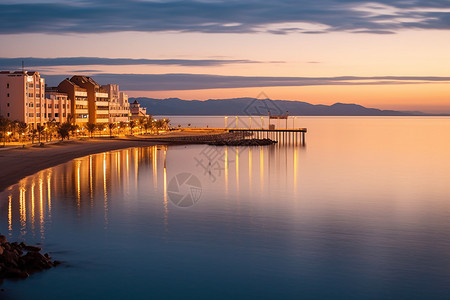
<point>383,54</point>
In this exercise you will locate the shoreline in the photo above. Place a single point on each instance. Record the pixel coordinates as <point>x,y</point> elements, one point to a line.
<point>18,163</point>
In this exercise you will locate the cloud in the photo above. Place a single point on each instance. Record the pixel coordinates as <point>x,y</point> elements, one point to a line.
<point>173,82</point>
<point>7,63</point>
<point>222,16</point>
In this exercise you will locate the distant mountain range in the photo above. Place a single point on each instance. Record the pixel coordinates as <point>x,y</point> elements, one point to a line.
<point>260,107</point>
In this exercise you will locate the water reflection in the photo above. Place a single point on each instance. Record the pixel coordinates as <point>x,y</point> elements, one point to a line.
<point>92,183</point>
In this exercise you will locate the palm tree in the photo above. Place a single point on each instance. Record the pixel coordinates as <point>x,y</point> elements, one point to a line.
<point>166,123</point>
<point>122,125</point>
<point>111,127</point>
<point>147,124</point>
<point>159,124</point>
<point>22,128</point>
<point>141,123</point>
<point>51,126</point>
<point>13,127</point>
<point>64,130</point>
<point>132,125</point>
<point>91,128</point>
<point>4,126</point>
<point>40,130</point>
<point>101,127</point>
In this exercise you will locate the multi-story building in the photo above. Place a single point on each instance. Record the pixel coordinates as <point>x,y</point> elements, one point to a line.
<point>123,101</point>
<point>137,111</point>
<point>57,105</point>
<point>79,101</point>
<point>22,97</point>
<point>98,99</point>
<point>119,109</point>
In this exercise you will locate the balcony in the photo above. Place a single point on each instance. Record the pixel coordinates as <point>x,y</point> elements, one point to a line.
<point>101,95</point>
<point>102,103</point>
<point>81,102</point>
<point>102,120</point>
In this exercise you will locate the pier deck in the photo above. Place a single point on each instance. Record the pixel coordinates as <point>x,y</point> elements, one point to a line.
<point>294,135</point>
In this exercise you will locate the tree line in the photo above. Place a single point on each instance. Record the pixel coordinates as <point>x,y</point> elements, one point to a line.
<point>18,131</point>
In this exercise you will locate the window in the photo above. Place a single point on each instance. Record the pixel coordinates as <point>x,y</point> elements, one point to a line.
<point>8,114</point>
<point>38,95</point>
<point>31,115</point>
<point>8,94</point>
<point>64,114</point>
<point>56,115</point>
<point>64,106</point>
<point>7,85</point>
<point>31,104</point>
<point>56,105</point>
<point>38,115</point>
<point>30,95</point>
<point>7,104</point>
<point>30,85</point>
<point>50,106</point>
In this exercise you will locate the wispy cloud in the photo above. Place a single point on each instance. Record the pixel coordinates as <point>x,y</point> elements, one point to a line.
<point>6,63</point>
<point>219,16</point>
<point>173,82</point>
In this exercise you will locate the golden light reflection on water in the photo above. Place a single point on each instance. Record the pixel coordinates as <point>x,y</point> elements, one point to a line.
<point>10,213</point>
<point>166,208</point>
<point>237,168</point>
<point>41,205</point>
<point>105,193</point>
<point>104,178</point>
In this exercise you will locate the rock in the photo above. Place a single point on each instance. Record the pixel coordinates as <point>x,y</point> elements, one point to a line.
<point>32,248</point>
<point>15,265</point>
<point>16,273</point>
<point>10,258</point>
<point>57,262</point>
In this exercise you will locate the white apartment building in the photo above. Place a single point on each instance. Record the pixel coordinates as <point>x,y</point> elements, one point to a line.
<point>22,98</point>
<point>119,108</point>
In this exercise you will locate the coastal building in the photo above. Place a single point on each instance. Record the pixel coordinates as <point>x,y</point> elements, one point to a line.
<point>22,97</point>
<point>57,106</point>
<point>78,99</point>
<point>119,110</point>
<point>137,111</point>
<point>123,101</point>
<point>98,99</point>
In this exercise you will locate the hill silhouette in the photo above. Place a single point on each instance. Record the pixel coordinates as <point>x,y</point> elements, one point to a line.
<point>253,106</point>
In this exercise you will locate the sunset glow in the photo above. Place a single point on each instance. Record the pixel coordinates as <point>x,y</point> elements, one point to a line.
<point>262,39</point>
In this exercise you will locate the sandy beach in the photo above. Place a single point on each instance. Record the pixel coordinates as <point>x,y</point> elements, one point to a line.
<point>19,163</point>
<point>16,164</point>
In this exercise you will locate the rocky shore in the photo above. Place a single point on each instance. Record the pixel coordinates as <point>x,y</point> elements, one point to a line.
<point>244,142</point>
<point>18,260</point>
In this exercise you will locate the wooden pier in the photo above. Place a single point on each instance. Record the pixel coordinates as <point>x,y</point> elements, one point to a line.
<point>294,136</point>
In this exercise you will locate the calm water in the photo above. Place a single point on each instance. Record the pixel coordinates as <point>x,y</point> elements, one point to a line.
<point>362,211</point>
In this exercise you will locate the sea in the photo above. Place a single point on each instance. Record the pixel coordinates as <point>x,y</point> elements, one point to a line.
<point>360,210</point>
